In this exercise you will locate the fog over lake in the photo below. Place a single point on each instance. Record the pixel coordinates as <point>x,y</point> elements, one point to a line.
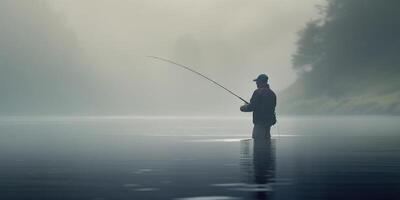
<point>87,57</point>
<point>85,113</point>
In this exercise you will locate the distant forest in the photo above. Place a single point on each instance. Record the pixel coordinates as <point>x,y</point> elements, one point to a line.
<point>348,61</point>
<point>41,67</point>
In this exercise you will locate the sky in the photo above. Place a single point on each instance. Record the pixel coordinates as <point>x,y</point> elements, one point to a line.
<point>232,41</point>
<point>227,35</point>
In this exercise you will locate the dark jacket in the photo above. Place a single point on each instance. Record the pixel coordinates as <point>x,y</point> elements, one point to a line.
<point>262,104</point>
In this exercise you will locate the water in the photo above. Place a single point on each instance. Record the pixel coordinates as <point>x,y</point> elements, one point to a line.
<point>101,158</point>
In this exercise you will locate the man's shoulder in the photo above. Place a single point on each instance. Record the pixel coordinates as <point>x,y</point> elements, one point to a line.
<point>264,91</point>
<point>272,92</point>
<point>258,91</point>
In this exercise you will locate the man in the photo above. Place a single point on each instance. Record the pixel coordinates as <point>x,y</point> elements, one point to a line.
<point>262,104</point>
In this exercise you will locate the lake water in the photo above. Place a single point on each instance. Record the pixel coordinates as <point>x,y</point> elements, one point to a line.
<point>105,158</point>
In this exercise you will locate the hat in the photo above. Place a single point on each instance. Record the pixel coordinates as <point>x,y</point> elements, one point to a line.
<point>261,78</point>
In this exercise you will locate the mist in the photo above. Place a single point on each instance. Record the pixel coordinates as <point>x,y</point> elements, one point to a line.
<point>42,67</point>
<point>86,113</point>
<point>348,61</point>
<point>88,57</point>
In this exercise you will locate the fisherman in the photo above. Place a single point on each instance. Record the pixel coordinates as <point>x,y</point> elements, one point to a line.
<point>262,104</point>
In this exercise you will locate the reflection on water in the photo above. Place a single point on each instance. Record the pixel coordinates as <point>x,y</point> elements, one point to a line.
<point>264,165</point>
<point>259,169</point>
<point>199,159</point>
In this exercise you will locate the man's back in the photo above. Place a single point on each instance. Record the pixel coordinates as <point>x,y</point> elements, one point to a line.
<point>263,102</point>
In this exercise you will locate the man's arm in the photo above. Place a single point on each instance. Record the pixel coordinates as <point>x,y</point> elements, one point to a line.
<point>252,105</point>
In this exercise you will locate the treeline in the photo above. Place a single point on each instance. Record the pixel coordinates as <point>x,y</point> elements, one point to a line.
<point>348,60</point>
<point>42,70</point>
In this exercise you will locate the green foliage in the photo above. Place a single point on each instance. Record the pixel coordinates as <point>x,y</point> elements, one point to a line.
<point>348,60</point>
<point>352,34</point>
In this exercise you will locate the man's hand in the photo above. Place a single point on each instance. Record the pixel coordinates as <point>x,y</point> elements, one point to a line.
<point>243,108</point>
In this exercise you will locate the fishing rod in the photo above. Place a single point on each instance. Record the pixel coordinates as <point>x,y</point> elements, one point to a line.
<point>198,73</point>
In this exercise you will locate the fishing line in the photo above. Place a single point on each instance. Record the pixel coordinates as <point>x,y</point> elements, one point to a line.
<point>277,128</point>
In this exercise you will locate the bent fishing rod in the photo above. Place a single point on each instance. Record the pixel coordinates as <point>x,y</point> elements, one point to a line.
<point>198,73</point>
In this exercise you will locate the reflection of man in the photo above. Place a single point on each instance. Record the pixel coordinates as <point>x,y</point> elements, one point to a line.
<point>262,104</point>
<point>260,176</point>
<point>264,166</point>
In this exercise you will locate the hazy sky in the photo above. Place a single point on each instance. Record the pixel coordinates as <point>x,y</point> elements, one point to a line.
<point>248,37</point>
<point>232,41</point>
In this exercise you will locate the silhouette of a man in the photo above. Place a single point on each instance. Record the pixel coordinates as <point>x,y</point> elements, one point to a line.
<point>262,104</point>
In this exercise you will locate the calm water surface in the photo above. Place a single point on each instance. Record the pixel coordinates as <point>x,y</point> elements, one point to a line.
<point>98,158</point>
